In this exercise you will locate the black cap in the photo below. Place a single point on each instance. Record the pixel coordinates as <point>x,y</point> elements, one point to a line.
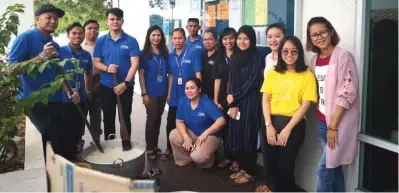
<point>49,8</point>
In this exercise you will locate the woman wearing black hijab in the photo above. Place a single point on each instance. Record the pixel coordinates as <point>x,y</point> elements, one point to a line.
<point>245,107</point>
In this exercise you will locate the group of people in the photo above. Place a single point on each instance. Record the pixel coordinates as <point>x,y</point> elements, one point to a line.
<point>220,90</point>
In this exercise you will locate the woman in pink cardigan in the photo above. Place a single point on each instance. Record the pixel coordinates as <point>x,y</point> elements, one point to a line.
<point>338,111</point>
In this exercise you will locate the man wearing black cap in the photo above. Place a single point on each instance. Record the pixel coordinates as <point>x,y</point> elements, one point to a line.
<point>38,45</point>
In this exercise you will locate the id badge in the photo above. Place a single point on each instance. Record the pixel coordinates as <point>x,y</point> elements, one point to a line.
<point>180,81</point>
<point>77,85</point>
<point>159,78</point>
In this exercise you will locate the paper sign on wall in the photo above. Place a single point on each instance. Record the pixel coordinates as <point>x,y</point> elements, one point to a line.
<point>212,15</point>
<point>223,11</point>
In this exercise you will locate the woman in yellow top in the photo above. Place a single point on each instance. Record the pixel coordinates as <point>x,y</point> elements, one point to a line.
<point>288,91</point>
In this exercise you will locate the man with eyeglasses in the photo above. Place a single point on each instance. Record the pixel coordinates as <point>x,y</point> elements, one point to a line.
<point>209,60</point>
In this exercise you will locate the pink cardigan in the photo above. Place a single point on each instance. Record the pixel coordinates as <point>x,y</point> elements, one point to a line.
<point>342,88</point>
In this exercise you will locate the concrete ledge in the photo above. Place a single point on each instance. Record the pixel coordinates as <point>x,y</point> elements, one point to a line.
<point>33,180</point>
<point>34,157</point>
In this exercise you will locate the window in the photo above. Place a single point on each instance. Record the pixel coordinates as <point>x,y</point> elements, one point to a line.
<point>171,14</point>
<point>379,150</point>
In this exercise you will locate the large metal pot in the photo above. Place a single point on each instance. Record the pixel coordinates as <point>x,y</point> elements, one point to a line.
<point>114,160</point>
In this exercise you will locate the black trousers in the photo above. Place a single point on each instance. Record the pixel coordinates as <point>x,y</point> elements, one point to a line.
<point>41,117</point>
<point>170,125</point>
<point>228,153</point>
<point>108,105</point>
<point>94,110</point>
<point>67,124</point>
<point>280,161</point>
<point>154,116</point>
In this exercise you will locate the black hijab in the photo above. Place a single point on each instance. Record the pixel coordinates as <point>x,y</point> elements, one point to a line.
<point>240,57</point>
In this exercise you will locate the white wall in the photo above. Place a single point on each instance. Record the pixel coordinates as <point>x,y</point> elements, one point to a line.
<point>137,21</point>
<point>342,14</point>
<point>26,19</point>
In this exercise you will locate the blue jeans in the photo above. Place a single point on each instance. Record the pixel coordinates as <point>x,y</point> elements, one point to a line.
<point>328,179</point>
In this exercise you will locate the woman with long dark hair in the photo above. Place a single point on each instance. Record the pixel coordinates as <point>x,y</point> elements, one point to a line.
<point>244,102</point>
<point>288,91</point>
<point>227,44</point>
<point>338,112</point>
<point>154,85</point>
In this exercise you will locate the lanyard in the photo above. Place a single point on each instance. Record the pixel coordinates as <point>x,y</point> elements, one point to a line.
<point>180,66</point>
<point>159,64</point>
<point>79,58</point>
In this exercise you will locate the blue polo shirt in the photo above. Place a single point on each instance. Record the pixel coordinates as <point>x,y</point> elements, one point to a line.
<point>116,52</point>
<point>156,78</point>
<point>197,44</point>
<point>78,81</point>
<point>26,46</point>
<point>190,64</point>
<point>200,118</point>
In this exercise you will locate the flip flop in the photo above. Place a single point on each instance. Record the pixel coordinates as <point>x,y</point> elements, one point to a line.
<point>237,175</point>
<point>244,179</point>
<point>80,145</point>
<point>151,155</point>
<point>166,155</point>
<point>262,188</point>
<point>224,163</point>
<point>158,152</point>
<point>234,167</point>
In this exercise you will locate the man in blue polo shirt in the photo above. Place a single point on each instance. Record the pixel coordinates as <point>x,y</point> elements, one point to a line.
<point>38,45</point>
<point>71,129</point>
<point>116,53</point>
<point>194,41</point>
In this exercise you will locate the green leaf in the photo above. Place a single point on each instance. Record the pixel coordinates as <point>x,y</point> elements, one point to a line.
<point>42,67</point>
<point>33,74</point>
<point>62,63</point>
<point>30,69</point>
<point>6,39</point>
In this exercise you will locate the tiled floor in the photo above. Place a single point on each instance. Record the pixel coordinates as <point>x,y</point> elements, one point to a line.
<point>191,178</point>
<point>175,178</point>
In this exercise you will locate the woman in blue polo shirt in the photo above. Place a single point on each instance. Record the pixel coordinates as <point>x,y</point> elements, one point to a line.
<point>183,63</point>
<point>198,121</point>
<point>154,85</point>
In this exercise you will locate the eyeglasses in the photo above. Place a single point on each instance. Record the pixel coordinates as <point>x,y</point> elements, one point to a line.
<point>208,40</point>
<point>293,52</point>
<point>321,34</point>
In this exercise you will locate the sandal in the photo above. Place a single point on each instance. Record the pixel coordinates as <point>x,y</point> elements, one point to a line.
<point>237,175</point>
<point>224,163</point>
<point>262,188</point>
<point>234,167</point>
<point>152,155</point>
<point>166,155</point>
<point>244,179</point>
<point>80,145</point>
<point>158,152</point>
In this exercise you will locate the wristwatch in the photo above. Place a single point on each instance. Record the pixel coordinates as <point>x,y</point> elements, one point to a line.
<point>143,94</point>
<point>267,123</point>
<point>126,83</point>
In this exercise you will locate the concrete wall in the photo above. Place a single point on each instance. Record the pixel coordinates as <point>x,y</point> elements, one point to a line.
<point>342,14</point>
